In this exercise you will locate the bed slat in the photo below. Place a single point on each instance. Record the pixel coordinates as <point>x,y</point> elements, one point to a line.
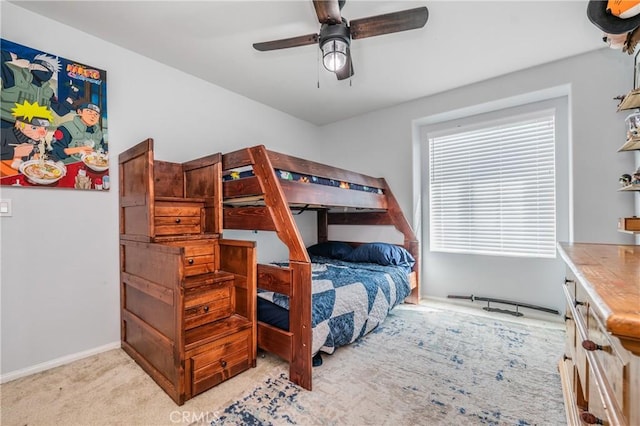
<point>314,194</point>
<point>252,218</point>
<point>244,187</point>
<point>274,340</point>
<point>235,159</point>
<point>274,278</point>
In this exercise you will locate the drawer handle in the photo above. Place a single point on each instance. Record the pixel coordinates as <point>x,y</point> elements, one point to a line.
<point>223,363</point>
<point>190,261</point>
<point>567,318</point>
<point>205,309</point>
<point>567,281</point>
<point>565,357</point>
<point>590,345</point>
<point>590,419</point>
<point>178,220</point>
<point>577,303</point>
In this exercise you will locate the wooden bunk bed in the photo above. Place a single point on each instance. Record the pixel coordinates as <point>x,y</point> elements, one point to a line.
<point>264,200</point>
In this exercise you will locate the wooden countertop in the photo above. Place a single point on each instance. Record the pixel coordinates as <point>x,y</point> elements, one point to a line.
<point>611,277</point>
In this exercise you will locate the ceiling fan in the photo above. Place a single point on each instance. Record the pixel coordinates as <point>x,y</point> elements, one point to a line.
<point>336,33</point>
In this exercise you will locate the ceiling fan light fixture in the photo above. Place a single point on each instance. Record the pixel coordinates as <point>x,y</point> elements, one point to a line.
<point>334,44</point>
<point>334,54</point>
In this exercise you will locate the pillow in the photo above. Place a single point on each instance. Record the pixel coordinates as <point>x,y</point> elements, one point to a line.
<point>330,249</point>
<point>383,254</point>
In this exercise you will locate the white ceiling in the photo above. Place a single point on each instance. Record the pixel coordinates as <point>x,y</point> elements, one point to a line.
<point>463,42</point>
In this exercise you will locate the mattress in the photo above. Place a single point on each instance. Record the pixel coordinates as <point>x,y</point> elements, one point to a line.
<point>304,178</point>
<point>349,300</point>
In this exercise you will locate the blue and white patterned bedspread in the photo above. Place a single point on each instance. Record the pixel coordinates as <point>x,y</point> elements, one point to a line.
<point>348,299</point>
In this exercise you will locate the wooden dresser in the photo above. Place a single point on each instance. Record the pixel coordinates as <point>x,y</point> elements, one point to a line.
<point>188,314</point>
<point>600,369</point>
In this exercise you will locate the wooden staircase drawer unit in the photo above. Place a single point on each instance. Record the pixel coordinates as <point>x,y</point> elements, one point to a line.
<point>178,218</point>
<point>187,296</point>
<point>208,305</point>
<point>220,360</point>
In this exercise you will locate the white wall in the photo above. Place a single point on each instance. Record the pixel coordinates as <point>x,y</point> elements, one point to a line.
<point>596,131</point>
<point>60,257</point>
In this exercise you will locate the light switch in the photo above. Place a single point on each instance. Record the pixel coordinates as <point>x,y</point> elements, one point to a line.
<point>5,207</point>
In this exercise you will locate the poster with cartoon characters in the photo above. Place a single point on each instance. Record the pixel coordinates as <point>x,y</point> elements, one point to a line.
<point>54,121</point>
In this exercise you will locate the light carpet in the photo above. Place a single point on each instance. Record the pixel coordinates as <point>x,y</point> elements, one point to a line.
<point>420,367</point>
<point>425,365</point>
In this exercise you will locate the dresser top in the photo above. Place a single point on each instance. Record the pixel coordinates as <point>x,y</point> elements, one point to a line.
<point>611,276</point>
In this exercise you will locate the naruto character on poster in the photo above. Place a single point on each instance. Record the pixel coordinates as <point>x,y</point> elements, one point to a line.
<point>53,115</point>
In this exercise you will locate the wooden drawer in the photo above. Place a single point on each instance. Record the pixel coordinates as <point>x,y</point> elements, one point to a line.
<point>220,360</point>
<point>570,339</point>
<point>612,366</point>
<point>577,332</point>
<point>178,218</point>
<point>569,317</point>
<point>199,256</point>
<point>570,283</point>
<point>604,407</point>
<point>203,305</point>
<point>597,410</point>
<point>575,378</point>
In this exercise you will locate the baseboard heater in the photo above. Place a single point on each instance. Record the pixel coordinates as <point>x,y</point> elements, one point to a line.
<point>516,313</point>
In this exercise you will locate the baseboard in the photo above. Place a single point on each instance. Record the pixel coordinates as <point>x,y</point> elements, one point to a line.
<point>13,375</point>
<point>477,307</point>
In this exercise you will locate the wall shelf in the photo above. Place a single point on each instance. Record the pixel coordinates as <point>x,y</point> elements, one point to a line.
<point>624,231</point>
<point>630,101</point>
<point>632,187</point>
<point>632,144</point>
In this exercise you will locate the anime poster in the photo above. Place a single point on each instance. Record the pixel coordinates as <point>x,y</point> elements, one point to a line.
<point>54,121</point>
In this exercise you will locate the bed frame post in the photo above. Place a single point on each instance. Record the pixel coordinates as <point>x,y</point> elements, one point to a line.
<point>323,226</point>
<point>411,243</point>
<point>299,262</point>
<point>300,325</point>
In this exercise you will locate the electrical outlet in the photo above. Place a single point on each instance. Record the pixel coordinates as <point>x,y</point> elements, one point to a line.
<point>5,207</point>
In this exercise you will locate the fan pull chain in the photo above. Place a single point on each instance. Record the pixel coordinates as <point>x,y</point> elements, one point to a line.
<point>318,67</point>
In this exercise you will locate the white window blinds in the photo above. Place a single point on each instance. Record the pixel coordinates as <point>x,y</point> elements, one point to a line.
<point>492,188</point>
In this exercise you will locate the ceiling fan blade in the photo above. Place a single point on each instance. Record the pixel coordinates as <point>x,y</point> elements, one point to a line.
<point>346,71</point>
<point>389,23</point>
<point>286,42</point>
<point>328,11</point>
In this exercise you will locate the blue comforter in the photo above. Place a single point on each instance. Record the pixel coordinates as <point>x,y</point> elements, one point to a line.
<point>348,299</point>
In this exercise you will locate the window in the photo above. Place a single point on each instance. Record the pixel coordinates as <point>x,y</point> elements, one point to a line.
<point>492,187</point>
